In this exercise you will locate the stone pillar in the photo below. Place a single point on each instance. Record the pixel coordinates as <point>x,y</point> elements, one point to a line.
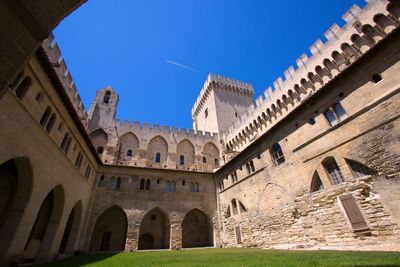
<point>132,235</point>
<point>176,236</point>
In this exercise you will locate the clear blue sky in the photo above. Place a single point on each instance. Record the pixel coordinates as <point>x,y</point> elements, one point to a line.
<point>127,44</point>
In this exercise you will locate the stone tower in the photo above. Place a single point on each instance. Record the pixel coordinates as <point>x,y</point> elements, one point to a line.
<point>103,109</point>
<point>220,103</point>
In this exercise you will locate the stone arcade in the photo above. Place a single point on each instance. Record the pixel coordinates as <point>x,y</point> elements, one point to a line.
<point>314,163</point>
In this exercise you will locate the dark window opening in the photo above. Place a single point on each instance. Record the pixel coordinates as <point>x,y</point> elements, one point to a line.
<point>312,121</point>
<point>147,186</point>
<point>204,160</point>
<point>100,150</point>
<point>181,160</point>
<point>206,113</point>
<point>129,153</point>
<point>142,182</point>
<point>106,98</point>
<point>158,157</point>
<point>376,78</point>
<point>23,88</point>
<point>277,154</point>
<point>51,122</point>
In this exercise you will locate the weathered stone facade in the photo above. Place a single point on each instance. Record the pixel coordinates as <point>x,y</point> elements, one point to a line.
<point>313,165</point>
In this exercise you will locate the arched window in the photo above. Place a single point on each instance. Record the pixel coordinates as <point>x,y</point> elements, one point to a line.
<point>106,98</point>
<point>142,182</point>
<point>196,186</point>
<point>51,122</point>
<point>147,187</point>
<point>183,182</point>
<point>333,170</point>
<point>204,160</point>
<point>168,186</point>
<point>158,157</point>
<point>118,185</point>
<point>277,154</point>
<point>45,116</point>
<point>129,153</point>
<point>23,88</point>
<point>181,160</point>
<point>100,150</point>
<point>316,183</point>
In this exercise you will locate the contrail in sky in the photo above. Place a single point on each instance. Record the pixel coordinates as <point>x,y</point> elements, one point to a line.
<point>182,66</point>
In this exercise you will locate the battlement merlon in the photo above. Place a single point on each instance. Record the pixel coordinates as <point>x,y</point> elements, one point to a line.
<point>217,81</point>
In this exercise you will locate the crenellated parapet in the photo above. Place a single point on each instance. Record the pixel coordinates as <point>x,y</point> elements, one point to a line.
<point>53,53</point>
<point>214,82</point>
<point>364,28</point>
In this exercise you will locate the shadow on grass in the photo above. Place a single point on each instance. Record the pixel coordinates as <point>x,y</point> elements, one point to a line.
<point>80,260</point>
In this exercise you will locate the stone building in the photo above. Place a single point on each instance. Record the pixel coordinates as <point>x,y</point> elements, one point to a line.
<point>314,163</point>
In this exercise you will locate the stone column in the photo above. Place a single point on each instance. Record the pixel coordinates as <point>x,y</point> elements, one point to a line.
<point>176,236</point>
<point>132,235</point>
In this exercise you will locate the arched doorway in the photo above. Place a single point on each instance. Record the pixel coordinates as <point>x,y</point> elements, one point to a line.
<point>196,230</point>
<point>154,230</point>
<point>15,190</point>
<point>45,226</point>
<point>71,230</point>
<point>109,233</point>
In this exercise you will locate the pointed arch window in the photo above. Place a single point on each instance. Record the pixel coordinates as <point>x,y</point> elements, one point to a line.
<point>316,183</point>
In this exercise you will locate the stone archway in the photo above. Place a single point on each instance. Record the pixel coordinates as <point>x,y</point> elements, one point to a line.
<point>71,230</point>
<point>196,230</point>
<point>15,190</point>
<point>45,226</point>
<point>154,230</point>
<point>109,233</point>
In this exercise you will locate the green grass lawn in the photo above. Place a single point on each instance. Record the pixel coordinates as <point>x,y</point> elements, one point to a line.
<point>234,257</point>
